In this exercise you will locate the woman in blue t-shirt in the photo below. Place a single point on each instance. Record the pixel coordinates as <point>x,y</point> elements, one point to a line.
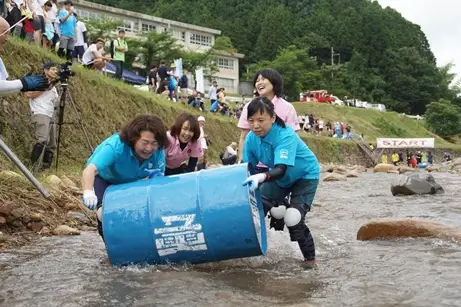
<point>137,152</point>
<point>294,169</point>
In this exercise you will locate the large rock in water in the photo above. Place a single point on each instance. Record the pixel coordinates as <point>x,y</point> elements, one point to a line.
<point>384,168</point>
<point>389,229</point>
<point>418,183</point>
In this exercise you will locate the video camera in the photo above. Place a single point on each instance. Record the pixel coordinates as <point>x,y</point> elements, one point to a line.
<point>65,72</point>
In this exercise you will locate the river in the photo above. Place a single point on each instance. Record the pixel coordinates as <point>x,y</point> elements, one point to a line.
<point>70,271</point>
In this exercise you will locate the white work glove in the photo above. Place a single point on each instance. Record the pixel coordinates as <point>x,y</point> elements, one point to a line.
<point>90,199</point>
<point>254,181</point>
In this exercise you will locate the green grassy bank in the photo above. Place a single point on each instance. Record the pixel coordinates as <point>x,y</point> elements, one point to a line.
<point>106,104</point>
<point>373,124</point>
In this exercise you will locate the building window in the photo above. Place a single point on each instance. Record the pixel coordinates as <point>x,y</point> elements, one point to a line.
<point>148,27</point>
<point>83,15</point>
<point>95,16</point>
<point>198,39</point>
<point>226,63</point>
<point>127,26</point>
<point>179,35</point>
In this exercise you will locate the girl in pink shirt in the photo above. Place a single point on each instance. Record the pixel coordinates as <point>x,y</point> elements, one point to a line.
<point>183,145</point>
<point>268,83</point>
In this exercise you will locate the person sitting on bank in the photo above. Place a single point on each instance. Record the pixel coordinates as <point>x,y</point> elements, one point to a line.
<point>229,156</point>
<point>135,153</point>
<point>93,57</point>
<point>42,108</point>
<point>184,144</point>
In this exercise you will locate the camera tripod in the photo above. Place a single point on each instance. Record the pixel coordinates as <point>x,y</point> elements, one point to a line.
<point>65,93</point>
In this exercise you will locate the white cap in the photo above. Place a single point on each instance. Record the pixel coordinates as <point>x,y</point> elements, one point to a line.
<point>201,119</point>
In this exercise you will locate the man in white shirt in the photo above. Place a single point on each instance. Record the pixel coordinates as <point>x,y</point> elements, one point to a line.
<point>93,57</point>
<point>42,108</point>
<point>80,40</point>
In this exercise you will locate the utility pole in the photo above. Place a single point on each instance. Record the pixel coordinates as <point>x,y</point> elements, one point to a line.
<point>333,54</point>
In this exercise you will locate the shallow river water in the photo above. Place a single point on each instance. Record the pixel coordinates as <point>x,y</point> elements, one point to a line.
<point>70,271</point>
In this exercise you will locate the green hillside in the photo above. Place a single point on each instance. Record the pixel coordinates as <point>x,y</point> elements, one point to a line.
<point>371,123</point>
<point>106,104</point>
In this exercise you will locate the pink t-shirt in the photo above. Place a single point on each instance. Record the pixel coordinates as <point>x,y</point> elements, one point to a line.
<point>283,109</point>
<point>175,156</point>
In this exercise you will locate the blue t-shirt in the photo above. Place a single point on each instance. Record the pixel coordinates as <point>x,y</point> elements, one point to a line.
<point>116,162</point>
<point>282,146</point>
<point>67,28</point>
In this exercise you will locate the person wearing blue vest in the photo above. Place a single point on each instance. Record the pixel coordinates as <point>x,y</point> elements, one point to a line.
<point>293,168</point>
<point>137,152</point>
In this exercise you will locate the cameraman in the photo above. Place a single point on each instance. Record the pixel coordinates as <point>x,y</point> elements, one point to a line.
<point>42,108</point>
<point>26,83</point>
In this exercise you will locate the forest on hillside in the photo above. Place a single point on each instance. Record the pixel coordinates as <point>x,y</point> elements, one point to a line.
<point>379,56</point>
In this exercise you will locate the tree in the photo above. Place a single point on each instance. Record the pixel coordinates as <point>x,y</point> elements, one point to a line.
<point>385,58</point>
<point>154,47</point>
<point>443,118</point>
<point>104,28</point>
<point>275,32</point>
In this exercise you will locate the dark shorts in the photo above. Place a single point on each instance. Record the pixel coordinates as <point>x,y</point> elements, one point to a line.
<point>302,192</point>
<point>78,52</point>
<point>176,171</point>
<point>39,24</point>
<point>100,186</point>
<point>88,66</point>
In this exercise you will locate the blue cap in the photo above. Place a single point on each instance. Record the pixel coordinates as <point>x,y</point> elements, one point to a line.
<point>49,65</point>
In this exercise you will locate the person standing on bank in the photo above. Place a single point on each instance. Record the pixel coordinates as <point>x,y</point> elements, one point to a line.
<point>67,25</point>
<point>294,169</point>
<point>120,48</point>
<point>135,153</point>
<point>268,83</point>
<point>184,144</point>
<point>42,108</point>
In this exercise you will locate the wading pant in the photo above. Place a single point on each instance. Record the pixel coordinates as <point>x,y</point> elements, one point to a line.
<point>302,195</point>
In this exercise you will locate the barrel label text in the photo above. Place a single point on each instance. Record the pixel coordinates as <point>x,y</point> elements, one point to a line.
<point>255,213</point>
<point>179,233</point>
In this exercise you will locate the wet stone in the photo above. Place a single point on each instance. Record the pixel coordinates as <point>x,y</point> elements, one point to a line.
<point>79,216</point>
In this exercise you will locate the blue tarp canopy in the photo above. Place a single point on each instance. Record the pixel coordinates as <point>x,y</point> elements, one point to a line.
<point>128,76</point>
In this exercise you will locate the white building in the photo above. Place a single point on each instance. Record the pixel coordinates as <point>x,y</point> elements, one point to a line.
<point>192,37</point>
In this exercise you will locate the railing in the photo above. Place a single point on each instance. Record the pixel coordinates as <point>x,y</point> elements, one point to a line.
<point>372,155</point>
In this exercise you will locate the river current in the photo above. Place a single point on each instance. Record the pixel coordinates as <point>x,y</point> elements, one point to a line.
<point>70,271</point>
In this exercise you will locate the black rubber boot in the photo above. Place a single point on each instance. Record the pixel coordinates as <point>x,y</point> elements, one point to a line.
<point>47,158</point>
<point>36,153</point>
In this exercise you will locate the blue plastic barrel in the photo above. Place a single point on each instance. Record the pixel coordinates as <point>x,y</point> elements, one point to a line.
<point>423,164</point>
<point>194,218</point>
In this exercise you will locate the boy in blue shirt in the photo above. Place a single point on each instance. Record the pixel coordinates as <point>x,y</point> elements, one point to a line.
<point>294,169</point>
<point>134,153</point>
<point>67,24</point>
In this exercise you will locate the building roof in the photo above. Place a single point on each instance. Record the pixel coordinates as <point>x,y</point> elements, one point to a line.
<point>158,20</point>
